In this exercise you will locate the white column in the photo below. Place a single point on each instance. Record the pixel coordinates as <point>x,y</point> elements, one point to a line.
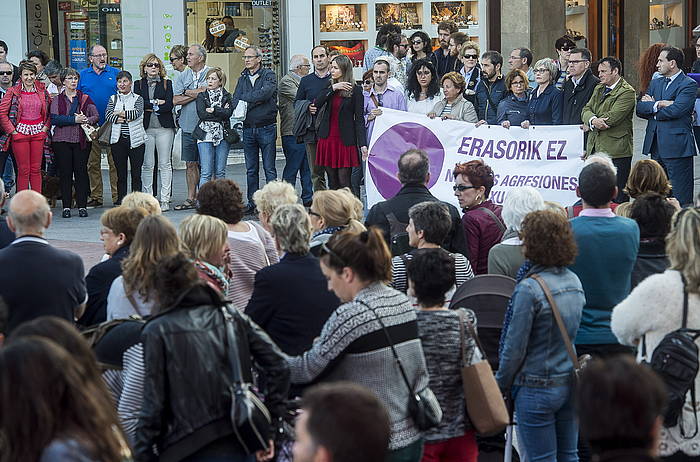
<point>298,29</point>
<point>13,24</point>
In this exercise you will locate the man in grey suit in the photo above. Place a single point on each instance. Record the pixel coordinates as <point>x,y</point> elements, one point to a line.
<point>668,106</point>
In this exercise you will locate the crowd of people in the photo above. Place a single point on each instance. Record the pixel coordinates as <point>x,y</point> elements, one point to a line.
<point>324,331</point>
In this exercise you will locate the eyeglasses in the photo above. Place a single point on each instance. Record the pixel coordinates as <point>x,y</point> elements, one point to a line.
<point>152,65</point>
<point>5,72</point>
<point>103,55</point>
<point>250,57</point>
<point>305,65</point>
<point>325,250</point>
<point>541,70</point>
<point>471,56</point>
<point>462,188</point>
<point>577,61</point>
<point>423,73</point>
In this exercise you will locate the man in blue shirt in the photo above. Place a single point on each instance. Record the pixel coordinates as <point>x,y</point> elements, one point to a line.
<point>607,250</point>
<point>99,81</point>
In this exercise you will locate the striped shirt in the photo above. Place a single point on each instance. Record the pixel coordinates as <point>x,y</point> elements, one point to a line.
<point>446,110</point>
<point>126,387</point>
<point>463,272</point>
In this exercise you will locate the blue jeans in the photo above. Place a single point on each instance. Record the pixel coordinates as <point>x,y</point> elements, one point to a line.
<point>212,160</point>
<point>260,139</point>
<point>546,423</point>
<point>295,154</point>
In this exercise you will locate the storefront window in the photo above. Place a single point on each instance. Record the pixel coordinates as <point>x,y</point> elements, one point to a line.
<point>225,29</point>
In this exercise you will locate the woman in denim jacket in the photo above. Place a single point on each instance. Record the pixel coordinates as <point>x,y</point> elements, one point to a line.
<point>535,369</point>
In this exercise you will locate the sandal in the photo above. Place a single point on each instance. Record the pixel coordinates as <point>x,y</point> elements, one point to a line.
<point>187,205</point>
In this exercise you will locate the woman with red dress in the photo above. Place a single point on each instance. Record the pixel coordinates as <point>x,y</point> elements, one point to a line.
<point>342,126</point>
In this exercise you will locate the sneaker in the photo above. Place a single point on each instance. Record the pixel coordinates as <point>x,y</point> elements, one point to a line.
<point>66,213</point>
<point>93,203</point>
<point>82,213</point>
<point>164,206</point>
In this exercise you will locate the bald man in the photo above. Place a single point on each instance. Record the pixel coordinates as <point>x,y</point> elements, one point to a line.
<point>37,279</point>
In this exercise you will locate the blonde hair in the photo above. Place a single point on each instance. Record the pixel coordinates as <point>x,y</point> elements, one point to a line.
<point>146,59</point>
<point>203,235</point>
<point>550,65</point>
<point>339,207</point>
<point>624,210</point>
<point>469,45</point>
<point>555,207</point>
<point>141,199</point>
<point>647,175</point>
<point>219,74</point>
<point>155,238</point>
<point>273,195</point>
<point>345,66</point>
<point>683,246</point>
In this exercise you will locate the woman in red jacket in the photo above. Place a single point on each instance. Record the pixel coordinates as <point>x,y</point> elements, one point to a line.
<point>482,221</point>
<point>25,121</point>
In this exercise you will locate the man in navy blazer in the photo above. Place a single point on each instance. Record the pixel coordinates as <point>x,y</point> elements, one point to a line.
<point>37,279</point>
<point>668,106</point>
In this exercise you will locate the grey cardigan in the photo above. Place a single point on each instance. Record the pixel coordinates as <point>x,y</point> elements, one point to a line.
<point>461,109</point>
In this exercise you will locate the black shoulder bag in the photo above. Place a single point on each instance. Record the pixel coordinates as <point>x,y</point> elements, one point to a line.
<point>250,418</point>
<point>423,405</point>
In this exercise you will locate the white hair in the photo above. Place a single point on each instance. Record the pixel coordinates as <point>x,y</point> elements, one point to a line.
<point>201,50</point>
<point>518,203</point>
<point>296,61</point>
<point>602,158</point>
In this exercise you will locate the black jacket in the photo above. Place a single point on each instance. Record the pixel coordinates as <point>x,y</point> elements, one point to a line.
<point>221,114</point>
<point>186,397</point>
<point>98,282</point>
<point>261,98</point>
<point>6,234</point>
<point>164,91</point>
<point>651,259</point>
<point>444,63</point>
<point>291,302</point>
<point>576,97</point>
<point>409,195</point>
<point>351,118</point>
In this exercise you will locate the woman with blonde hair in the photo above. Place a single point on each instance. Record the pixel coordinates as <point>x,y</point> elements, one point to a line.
<point>454,106</point>
<point>656,307</point>
<point>546,100</point>
<point>333,211</point>
<point>342,126</point>
<point>143,200</point>
<point>206,238</point>
<point>157,93</point>
<point>132,292</point>
<point>274,194</point>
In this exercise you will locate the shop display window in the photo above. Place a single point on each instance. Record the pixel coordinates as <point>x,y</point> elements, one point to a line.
<point>665,15</point>
<point>464,14</point>
<point>343,18</point>
<point>408,16</point>
<point>577,21</point>
<point>353,49</point>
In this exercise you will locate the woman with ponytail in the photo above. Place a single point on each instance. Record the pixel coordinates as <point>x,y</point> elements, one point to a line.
<point>356,342</point>
<point>333,211</point>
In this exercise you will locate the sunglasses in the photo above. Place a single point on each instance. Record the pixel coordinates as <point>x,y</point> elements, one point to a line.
<point>423,73</point>
<point>152,65</point>
<point>366,82</point>
<point>5,72</point>
<point>471,56</point>
<point>461,187</point>
<point>567,48</point>
<point>417,42</point>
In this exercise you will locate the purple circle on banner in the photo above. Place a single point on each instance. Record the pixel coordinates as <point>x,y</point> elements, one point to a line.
<point>385,153</point>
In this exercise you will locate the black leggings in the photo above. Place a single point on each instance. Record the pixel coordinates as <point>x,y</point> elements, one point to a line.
<point>123,155</point>
<point>72,160</point>
<point>339,177</point>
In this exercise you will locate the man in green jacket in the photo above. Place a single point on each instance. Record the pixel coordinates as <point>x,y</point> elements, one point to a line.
<point>608,116</point>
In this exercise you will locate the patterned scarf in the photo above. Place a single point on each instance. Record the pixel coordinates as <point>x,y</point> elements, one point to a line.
<point>329,230</point>
<point>522,272</point>
<point>215,274</point>
<point>215,129</point>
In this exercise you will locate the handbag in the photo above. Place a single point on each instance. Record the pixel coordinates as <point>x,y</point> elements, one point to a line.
<point>90,131</point>
<point>485,405</point>
<point>230,134</point>
<point>580,362</point>
<point>251,420</point>
<point>423,405</point>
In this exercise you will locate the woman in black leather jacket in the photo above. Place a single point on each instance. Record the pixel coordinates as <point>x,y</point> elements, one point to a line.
<point>187,402</point>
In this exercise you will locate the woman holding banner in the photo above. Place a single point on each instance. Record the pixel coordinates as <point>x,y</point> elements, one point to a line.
<point>513,109</point>
<point>422,87</point>
<point>482,221</point>
<point>454,106</point>
<point>546,100</point>
<point>342,124</point>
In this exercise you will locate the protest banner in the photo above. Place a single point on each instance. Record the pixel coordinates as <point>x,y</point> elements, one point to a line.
<point>545,157</point>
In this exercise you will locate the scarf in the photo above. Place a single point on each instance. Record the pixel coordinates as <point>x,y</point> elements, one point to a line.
<point>216,276</point>
<point>63,108</point>
<point>522,272</point>
<point>214,129</point>
<point>329,230</point>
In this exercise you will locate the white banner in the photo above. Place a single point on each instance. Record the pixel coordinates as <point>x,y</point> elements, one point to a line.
<point>545,157</point>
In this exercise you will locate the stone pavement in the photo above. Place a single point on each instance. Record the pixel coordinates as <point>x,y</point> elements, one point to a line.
<point>81,235</point>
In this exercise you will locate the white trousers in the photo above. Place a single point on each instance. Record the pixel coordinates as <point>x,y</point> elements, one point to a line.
<point>161,138</point>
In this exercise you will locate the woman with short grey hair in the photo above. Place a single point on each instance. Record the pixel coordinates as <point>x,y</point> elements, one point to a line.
<point>505,258</point>
<point>546,100</point>
<point>429,223</point>
<point>290,300</point>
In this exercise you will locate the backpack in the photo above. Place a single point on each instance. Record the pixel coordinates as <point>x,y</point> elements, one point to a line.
<point>675,360</point>
<point>398,236</point>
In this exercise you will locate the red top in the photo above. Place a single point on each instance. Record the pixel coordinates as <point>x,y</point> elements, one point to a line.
<point>482,232</point>
<point>30,107</point>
